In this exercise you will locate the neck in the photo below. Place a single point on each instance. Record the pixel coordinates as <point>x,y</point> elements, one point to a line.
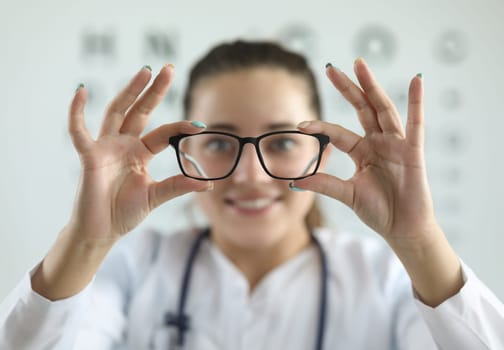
<point>256,262</point>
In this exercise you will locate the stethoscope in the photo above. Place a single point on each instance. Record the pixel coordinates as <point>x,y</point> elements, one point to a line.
<point>181,321</point>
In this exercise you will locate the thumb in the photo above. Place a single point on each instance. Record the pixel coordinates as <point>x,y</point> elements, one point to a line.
<point>328,185</point>
<point>175,186</point>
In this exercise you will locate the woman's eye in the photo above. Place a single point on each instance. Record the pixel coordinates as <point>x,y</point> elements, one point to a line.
<point>219,145</point>
<point>284,144</point>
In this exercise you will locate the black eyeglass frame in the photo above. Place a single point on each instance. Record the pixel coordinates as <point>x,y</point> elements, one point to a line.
<point>322,139</point>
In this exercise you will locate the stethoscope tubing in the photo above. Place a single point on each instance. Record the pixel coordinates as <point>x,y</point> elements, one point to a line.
<point>182,321</point>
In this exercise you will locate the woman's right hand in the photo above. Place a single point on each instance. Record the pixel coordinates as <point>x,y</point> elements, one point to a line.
<point>116,191</point>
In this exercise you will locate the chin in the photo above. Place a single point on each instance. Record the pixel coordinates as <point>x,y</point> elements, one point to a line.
<point>254,236</point>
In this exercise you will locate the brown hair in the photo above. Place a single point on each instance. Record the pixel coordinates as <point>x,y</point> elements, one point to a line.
<point>239,55</point>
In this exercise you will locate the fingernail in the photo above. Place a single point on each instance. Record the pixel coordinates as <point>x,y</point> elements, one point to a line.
<point>358,59</point>
<point>147,67</point>
<point>198,124</point>
<point>303,125</point>
<point>420,75</point>
<point>80,86</point>
<point>294,188</point>
<point>171,65</point>
<point>329,65</point>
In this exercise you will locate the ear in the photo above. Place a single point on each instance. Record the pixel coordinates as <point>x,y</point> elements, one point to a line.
<point>324,158</point>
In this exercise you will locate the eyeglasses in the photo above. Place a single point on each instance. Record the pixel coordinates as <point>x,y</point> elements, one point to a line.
<point>284,155</point>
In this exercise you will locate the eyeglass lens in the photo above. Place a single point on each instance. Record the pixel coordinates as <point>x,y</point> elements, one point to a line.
<point>285,155</point>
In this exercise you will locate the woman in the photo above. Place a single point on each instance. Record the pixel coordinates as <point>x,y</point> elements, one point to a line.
<point>264,274</point>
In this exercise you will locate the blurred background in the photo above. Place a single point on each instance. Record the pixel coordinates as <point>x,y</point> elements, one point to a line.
<point>47,48</point>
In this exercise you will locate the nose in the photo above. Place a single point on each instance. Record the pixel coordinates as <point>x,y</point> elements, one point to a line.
<point>249,168</point>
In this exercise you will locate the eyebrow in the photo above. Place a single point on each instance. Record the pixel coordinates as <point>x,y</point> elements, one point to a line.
<point>269,127</point>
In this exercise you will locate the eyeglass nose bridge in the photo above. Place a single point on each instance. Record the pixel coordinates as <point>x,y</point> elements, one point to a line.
<point>255,142</point>
<point>252,140</point>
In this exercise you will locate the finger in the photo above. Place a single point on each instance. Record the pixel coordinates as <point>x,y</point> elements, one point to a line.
<point>114,115</point>
<point>343,139</point>
<point>388,117</point>
<point>328,185</point>
<point>353,94</point>
<point>81,138</point>
<point>175,186</point>
<point>415,123</point>
<point>138,116</point>
<point>159,138</point>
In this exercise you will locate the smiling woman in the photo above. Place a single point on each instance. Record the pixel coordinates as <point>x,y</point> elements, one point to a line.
<point>265,273</point>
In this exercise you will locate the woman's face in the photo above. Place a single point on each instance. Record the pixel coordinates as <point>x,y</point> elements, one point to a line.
<point>250,209</point>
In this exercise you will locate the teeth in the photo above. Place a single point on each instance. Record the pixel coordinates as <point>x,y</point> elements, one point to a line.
<point>254,204</point>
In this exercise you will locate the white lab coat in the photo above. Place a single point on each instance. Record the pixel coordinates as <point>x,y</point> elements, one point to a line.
<point>371,303</point>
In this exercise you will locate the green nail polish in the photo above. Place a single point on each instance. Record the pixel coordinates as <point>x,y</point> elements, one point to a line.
<point>80,86</point>
<point>420,75</point>
<point>294,188</point>
<point>147,67</point>
<point>198,124</point>
<point>329,65</point>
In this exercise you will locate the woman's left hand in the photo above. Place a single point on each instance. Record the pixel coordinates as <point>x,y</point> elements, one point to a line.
<point>389,190</point>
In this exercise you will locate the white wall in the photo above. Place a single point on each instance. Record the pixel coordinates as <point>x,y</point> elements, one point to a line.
<point>47,48</point>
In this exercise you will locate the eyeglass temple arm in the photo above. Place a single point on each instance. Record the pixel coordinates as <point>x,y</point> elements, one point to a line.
<point>314,160</point>
<point>194,163</point>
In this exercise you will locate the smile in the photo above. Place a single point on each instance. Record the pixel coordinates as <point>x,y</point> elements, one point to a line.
<point>254,204</point>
